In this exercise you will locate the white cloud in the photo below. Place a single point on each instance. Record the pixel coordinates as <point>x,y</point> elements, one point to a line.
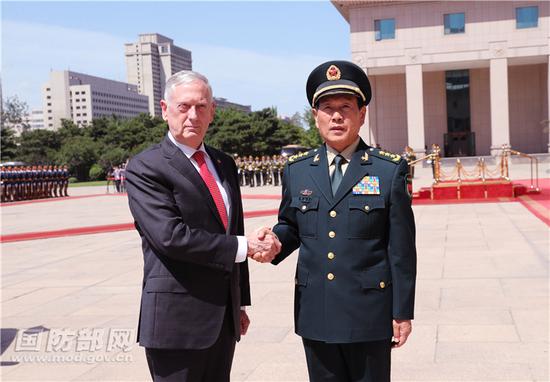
<point>30,51</point>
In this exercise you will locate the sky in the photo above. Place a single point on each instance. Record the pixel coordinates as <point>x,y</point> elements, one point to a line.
<point>254,53</point>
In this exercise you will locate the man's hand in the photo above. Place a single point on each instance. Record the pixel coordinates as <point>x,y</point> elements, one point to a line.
<point>401,331</point>
<point>263,245</point>
<point>245,322</point>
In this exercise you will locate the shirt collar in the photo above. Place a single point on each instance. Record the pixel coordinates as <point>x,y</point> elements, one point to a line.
<point>187,150</point>
<point>347,153</point>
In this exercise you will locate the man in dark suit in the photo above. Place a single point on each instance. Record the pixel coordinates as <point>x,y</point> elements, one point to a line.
<point>346,206</point>
<point>186,203</point>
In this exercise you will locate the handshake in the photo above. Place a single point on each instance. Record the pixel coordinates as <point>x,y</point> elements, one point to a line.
<point>263,245</point>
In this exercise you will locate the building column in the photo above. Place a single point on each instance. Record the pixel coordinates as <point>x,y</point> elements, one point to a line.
<point>500,118</point>
<point>367,132</point>
<point>415,108</point>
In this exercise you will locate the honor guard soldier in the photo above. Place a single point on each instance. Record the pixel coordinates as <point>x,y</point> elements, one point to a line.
<point>3,183</point>
<point>274,169</point>
<point>257,171</point>
<point>346,207</point>
<point>65,180</point>
<point>250,171</point>
<point>265,170</point>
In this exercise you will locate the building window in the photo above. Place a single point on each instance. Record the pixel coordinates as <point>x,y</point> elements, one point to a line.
<point>384,29</point>
<point>454,23</point>
<point>527,17</point>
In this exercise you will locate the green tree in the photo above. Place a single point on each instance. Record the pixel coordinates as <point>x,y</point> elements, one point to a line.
<point>38,146</point>
<point>311,137</point>
<point>8,148</point>
<point>13,114</point>
<point>79,153</point>
<point>69,130</point>
<point>112,156</point>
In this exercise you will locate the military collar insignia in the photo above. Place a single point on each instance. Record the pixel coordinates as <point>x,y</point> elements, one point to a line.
<point>306,192</point>
<point>365,157</point>
<point>316,158</point>
<point>333,73</point>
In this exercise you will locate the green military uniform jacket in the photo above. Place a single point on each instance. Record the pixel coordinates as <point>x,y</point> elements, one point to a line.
<point>356,266</point>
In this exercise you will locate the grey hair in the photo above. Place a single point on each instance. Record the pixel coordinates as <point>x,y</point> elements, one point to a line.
<point>185,77</point>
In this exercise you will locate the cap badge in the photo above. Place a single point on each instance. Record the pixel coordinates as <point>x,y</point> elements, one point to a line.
<point>333,73</point>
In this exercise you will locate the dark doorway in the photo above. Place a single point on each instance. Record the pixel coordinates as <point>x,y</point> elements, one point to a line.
<point>459,139</point>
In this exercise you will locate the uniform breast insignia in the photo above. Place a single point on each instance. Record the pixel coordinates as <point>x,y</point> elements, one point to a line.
<point>306,192</point>
<point>369,185</point>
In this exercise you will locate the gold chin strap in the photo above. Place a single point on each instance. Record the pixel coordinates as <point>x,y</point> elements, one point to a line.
<point>321,91</point>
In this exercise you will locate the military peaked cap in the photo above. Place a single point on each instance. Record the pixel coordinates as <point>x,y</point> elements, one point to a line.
<point>338,77</point>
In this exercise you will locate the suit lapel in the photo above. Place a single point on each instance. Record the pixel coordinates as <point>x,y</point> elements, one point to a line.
<point>319,173</point>
<point>357,169</point>
<point>183,165</point>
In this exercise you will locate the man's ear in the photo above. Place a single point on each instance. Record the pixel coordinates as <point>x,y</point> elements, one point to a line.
<point>164,107</point>
<point>362,114</point>
<point>314,113</point>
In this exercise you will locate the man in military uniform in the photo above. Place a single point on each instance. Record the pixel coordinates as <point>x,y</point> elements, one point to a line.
<point>250,171</point>
<point>257,168</point>
<point>346,206</point>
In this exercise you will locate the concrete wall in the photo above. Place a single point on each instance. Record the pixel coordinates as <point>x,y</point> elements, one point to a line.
<point>528,95</point>
<point>388,111</point>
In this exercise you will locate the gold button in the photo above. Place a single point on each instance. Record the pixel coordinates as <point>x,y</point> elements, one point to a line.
<point>367,208</point>
<point>330,276</point>
<point>330,255</point>
<point>304,207</point>
<point>332,214</point>
<point>332,234</point>
<point>382,284</point>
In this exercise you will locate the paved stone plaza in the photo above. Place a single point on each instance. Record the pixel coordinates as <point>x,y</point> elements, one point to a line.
<point>481,315</point>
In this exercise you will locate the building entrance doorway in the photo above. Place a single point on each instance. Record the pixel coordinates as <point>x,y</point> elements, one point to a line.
<point>459,139</point>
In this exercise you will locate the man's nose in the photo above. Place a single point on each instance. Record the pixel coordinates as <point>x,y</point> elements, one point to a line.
<point>337,116</point>
<point>192,112</point>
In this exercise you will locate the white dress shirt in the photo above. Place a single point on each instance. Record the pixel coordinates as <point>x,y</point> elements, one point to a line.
<point>189,152</point>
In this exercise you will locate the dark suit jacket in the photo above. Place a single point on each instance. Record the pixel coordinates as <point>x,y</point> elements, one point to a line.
<point>349,287</point>
<point>190,275</point>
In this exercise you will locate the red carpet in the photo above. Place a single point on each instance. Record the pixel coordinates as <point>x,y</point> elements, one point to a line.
<point>99,229</point>
<point>537,204</point>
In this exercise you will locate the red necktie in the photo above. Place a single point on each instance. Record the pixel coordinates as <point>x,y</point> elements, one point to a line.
<point>210,181</point>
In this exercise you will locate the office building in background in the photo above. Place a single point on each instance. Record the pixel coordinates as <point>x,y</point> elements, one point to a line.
<point>150,62</point>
